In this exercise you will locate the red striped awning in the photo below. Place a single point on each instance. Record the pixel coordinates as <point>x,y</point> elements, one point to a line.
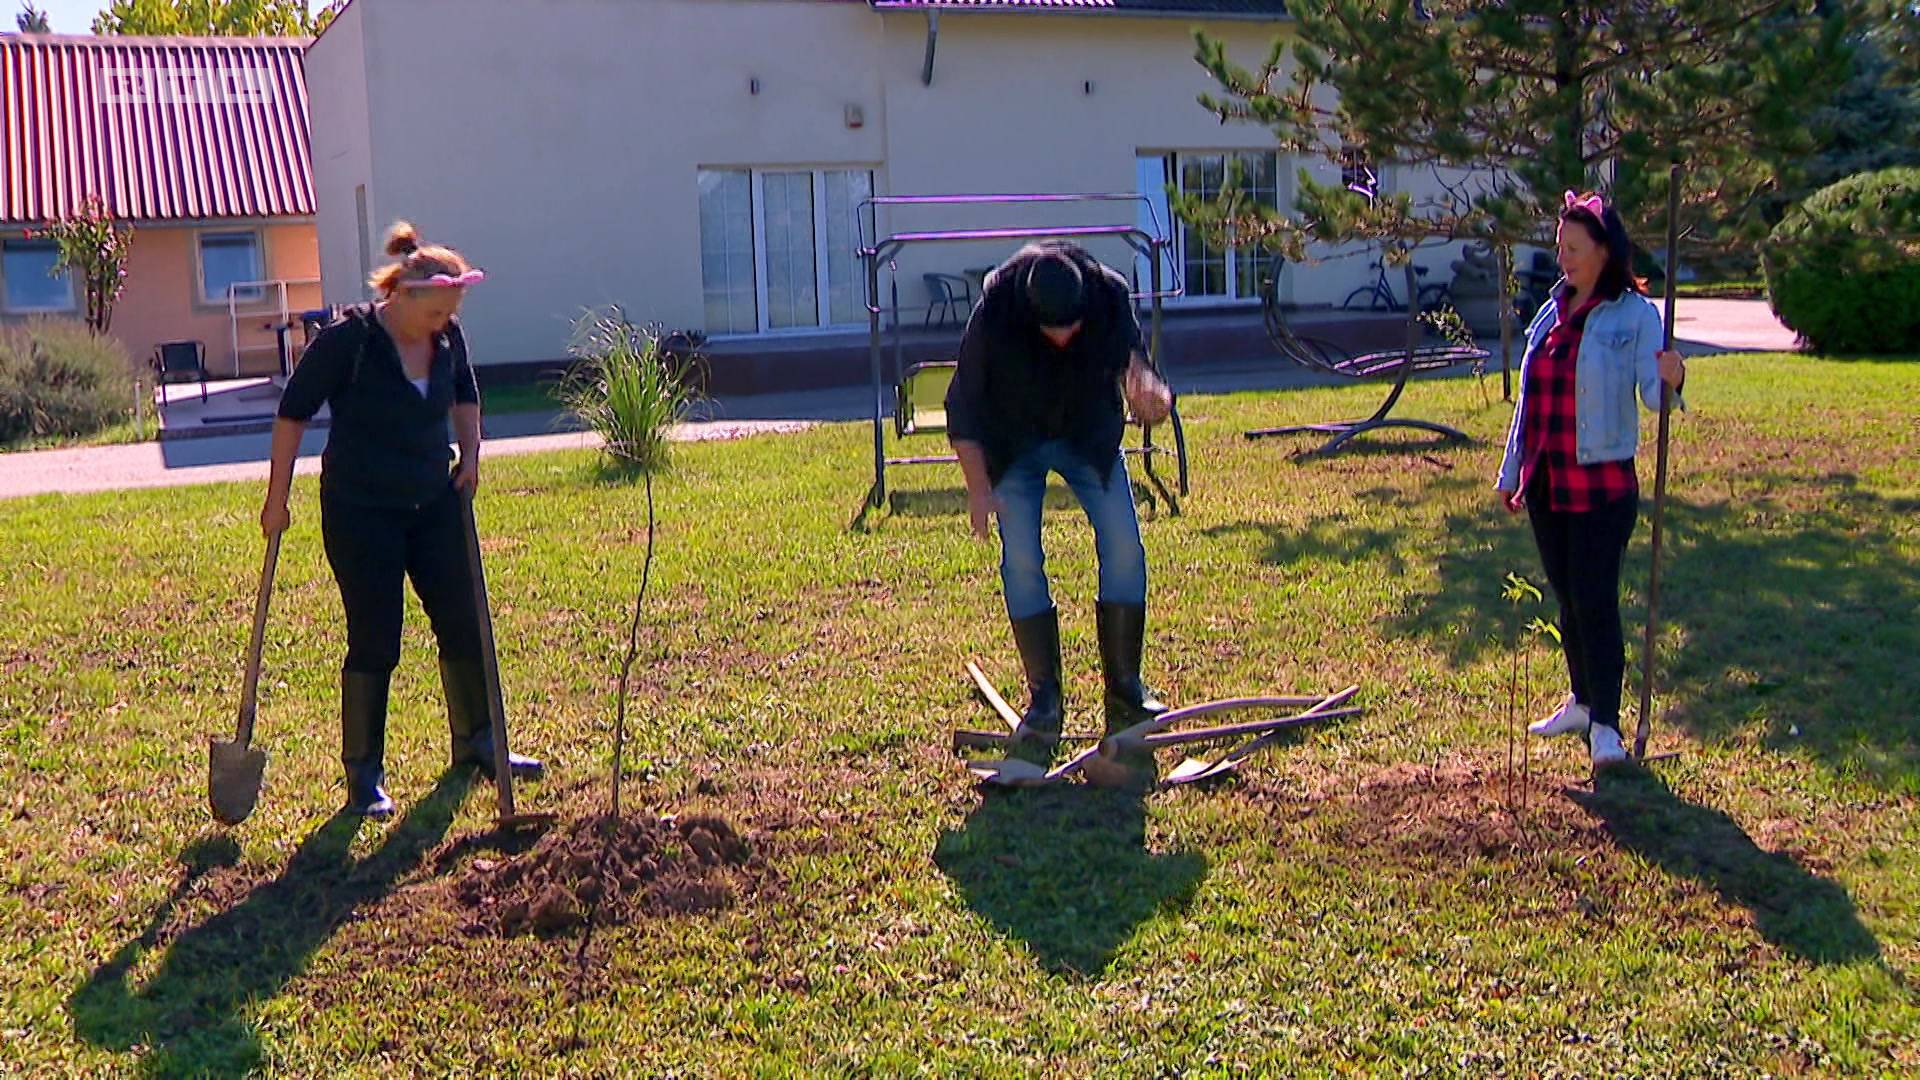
<point>162,128</point>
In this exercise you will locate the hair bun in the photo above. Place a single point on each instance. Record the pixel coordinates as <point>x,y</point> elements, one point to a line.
<point>403,239</point>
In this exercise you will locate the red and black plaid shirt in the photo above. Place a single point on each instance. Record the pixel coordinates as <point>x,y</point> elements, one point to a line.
<point>1548,440</point>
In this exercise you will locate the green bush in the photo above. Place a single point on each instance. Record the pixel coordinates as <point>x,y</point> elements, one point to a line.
<point>630,384</point>
<point>1843,268</point>
<point>59,379</point>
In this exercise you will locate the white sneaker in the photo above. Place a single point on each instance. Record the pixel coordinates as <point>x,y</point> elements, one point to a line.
<point>1604,744</point>
<point>1571,718</point>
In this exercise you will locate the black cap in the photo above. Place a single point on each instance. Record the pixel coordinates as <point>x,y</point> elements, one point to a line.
<point>1056,292</point>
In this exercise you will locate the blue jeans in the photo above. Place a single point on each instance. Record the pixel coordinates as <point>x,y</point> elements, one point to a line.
<point>1116,529</point>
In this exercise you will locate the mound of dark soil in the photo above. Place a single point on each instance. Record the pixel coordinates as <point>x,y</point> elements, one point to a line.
<point>610,870</point>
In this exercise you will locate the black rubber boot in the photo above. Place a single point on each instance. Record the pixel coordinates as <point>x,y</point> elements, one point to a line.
<point>363,742</point>
<point>1038,639</point>
<point>465,684</point>
<point>1122,629</point>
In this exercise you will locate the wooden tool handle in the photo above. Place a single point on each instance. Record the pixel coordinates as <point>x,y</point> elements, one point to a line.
<point>1332,701</point>
<point>1234,731</point>
<point>1644,729</point>
<point>991,694</point>
<point>490,660</point>
<point>1125,740</point>
<point>250,688</point>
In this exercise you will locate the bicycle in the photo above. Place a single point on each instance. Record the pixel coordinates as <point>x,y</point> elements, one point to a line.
<point>1380,296</point>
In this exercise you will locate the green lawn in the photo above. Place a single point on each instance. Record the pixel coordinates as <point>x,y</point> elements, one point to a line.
<point>521,397</point>
<point>112,435</point>
<point>1362,901</point>
<point>1754,289</point>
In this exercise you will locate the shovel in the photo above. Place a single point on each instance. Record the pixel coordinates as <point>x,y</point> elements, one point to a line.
<point>490,663</point>
<point>1659,475</point>
<point>235,769</point>
<point>1194,769</point>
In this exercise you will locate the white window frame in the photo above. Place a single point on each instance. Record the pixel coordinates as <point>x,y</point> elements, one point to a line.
<point>822,289</point>
<point>72,305</point>
<point>1177,254</point>
<point>201,298</point>
<point>761,296</point>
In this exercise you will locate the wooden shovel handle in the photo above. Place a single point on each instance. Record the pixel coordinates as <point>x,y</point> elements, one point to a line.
<point>1234,731</point>
<point>1645,727</point>
<point>1332,702</point>
<point>250,688</point>
<point>1128,739</point>
<point>991,695</point>
<point>490,660</point>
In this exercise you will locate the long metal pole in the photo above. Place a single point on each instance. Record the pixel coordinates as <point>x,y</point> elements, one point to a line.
<point>1506,321</point>
<point>1659,475</point>
<point>879,405</point>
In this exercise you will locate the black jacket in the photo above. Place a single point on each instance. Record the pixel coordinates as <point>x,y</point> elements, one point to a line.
<point>388,445</point>
<point>1013,389</point>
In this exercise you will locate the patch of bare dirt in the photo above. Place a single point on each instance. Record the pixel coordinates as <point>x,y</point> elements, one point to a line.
<point>1461,808</point>
<point>608,870</point>
<point>1794,840</point>
<point>1452,809</point>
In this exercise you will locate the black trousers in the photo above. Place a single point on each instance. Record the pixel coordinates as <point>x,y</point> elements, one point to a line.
<point>374,550</point>
<point>1581,554</point>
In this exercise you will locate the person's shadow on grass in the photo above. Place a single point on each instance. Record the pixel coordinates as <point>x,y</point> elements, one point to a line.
<point>188,1015</point>
<point>1066,870</point>
<point>1810,916</point>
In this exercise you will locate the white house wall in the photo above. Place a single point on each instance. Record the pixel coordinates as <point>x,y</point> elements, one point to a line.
<point>565,163</point>
<point>342,150</point>
<point>1009,109</point>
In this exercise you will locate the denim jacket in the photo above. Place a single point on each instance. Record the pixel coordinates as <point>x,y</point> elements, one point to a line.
<point>1617,357</point>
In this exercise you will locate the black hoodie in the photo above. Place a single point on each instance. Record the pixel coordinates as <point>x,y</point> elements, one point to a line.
<point>388,445</point>
<point>1013,389</point>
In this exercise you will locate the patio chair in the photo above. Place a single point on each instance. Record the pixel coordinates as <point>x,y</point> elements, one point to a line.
<point>920,402</point>
<point>180,362</point>
<point>949,295</point>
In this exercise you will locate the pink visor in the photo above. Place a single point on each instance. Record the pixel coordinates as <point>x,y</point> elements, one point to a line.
<point>446,281</point>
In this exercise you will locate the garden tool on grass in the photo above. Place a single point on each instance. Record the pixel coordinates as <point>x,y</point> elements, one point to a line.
<point>1101,761</point>
<point>235,769</point>
<point>496,706</point>
<point>1194,769</point>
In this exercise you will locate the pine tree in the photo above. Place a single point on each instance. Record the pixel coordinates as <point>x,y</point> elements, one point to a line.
<point>1514,102</point>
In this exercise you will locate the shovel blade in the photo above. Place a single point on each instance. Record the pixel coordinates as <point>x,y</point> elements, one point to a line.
<point>234,775</point>
<point>1194,769</point>
<point>1012,772</point>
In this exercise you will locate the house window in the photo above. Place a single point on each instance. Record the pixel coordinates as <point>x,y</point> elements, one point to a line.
<point>846,289</point>
<point>1215,271</point>
<point>26,273</point>
<point>228,259</point>
<point>790,243</point>
<point>777,248</point>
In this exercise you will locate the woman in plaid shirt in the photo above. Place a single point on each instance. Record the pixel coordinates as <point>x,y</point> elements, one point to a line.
<point>1569,460</point>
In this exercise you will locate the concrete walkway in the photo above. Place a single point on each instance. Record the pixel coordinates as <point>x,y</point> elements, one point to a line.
<point>1731,326</point>
<point>244,457</point>
<point>1704,326</point>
